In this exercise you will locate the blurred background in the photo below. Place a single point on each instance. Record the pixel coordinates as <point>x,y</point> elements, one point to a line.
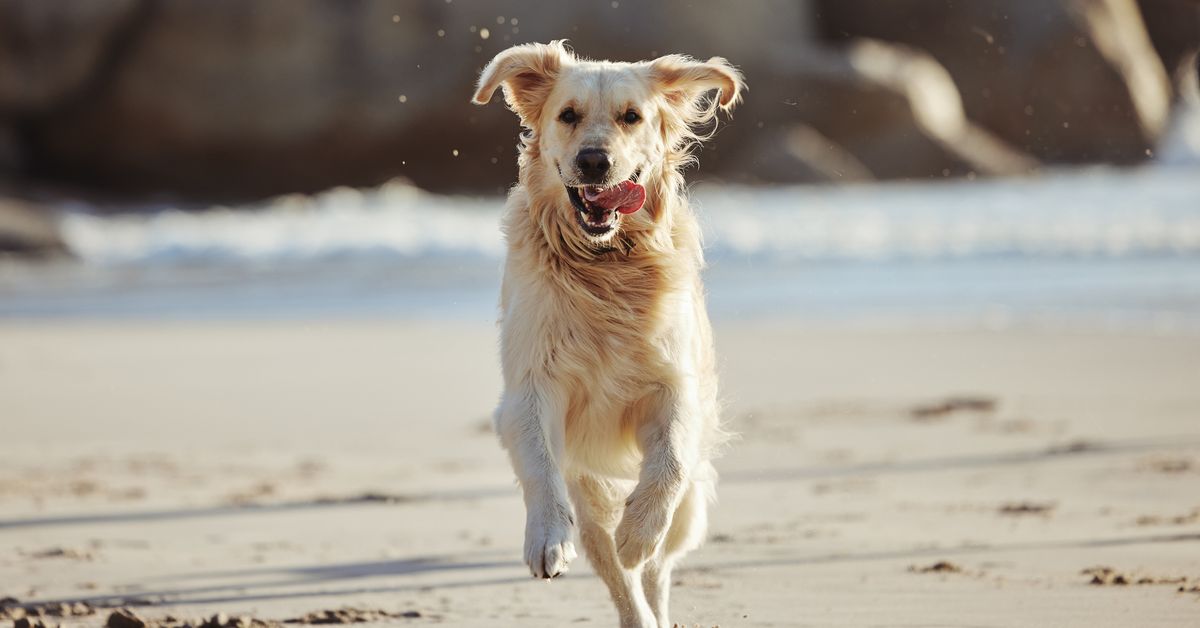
<point>178,158</point>
<point>249,263</point>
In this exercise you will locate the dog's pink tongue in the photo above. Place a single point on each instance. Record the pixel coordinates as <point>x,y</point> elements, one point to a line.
<point>625,197</point>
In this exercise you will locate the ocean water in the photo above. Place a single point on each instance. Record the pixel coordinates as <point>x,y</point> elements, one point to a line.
<point>1097,247</point>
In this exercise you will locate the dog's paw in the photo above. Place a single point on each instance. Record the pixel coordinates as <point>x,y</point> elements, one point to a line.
<point>548,546</point>
<point>637,541</point>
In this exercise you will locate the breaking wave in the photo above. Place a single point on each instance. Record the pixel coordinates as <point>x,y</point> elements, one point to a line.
<point>1096,212</point>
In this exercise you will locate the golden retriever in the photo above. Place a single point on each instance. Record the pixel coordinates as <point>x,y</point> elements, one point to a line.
<point>609,411</point>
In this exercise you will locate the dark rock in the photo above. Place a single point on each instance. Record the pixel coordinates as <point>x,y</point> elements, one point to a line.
<point>48,51</point>
<point>1062,80</point>
<point>1174,28</point>
<point>124,618</point>
<point>221,100</point>
<point>28,229</point>
<point>897,115</point>
<point>226,100</point>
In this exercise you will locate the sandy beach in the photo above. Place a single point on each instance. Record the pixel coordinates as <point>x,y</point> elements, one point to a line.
<point>884,477</point>
<point>251,256</point>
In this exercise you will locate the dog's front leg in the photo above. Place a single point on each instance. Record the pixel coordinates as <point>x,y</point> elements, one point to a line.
<point>530,429</point>
<point>669,448</point>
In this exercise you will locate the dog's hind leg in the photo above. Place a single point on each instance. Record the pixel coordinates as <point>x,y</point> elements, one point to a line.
<point>688,527</point>
<point>598,503</point>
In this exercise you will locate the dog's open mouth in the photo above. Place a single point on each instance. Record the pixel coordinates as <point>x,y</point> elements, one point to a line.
<point>599,208</point>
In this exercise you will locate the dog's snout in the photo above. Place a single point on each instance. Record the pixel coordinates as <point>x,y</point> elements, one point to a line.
<point>593,164</point>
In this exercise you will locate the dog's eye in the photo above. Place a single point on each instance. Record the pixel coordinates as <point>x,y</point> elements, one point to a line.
<point>568,116</point>
<point>631,117</point>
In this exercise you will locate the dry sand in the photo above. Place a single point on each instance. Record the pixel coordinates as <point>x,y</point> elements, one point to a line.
<point>884,478</point>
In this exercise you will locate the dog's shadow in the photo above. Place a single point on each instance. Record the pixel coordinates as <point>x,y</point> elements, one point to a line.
<point>312,581</point>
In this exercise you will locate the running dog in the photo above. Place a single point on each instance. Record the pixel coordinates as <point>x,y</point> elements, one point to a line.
<point>609,412</point>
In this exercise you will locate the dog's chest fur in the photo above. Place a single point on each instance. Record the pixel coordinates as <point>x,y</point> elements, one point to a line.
<point>605,330</point>
<point>600,322</point>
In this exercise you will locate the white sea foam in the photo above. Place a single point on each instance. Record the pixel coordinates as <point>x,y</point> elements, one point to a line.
<point>1091,213</point>
<point>1099,212</point>
<point>395,219</point>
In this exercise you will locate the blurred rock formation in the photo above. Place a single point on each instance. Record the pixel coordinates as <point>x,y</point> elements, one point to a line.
<point>1062,80</point>
<point>227,99</point>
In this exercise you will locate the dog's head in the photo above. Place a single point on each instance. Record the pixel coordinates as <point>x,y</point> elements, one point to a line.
<point>601,130</point>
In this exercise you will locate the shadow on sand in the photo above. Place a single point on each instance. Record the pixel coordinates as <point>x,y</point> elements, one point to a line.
<point>507,491</point>
<point>501,567</point>
<point>324,581</point>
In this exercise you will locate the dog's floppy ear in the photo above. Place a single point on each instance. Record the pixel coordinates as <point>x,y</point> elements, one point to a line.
<point>684,80</point>
<point>526,73</point>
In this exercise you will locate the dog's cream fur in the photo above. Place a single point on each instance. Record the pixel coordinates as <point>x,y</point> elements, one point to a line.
<point>609,410</point>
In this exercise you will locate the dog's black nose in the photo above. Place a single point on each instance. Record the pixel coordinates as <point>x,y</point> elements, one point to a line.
<point>593,165</point>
